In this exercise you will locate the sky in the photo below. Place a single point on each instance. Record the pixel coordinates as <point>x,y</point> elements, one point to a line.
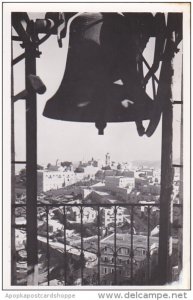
<point>80,141</point>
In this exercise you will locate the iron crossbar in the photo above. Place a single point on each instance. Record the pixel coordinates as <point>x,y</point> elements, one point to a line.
<point>91,205</point>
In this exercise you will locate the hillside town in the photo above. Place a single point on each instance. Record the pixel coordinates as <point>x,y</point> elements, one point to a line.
<point>97,220</point>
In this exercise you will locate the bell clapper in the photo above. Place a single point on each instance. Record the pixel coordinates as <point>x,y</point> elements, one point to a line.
<point>100,125</point>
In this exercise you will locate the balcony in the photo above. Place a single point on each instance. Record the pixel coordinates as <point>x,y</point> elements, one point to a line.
<point>72,254</point>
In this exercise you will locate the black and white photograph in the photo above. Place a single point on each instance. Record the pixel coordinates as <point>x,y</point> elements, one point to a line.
<point>96,146</point>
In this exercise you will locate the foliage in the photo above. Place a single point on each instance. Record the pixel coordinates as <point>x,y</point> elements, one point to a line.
<point>86,230</point>
<point>106,168</point>
<point>119,167</point>
<point>22,173</point>
<point>66,164</point>
<point>79,170</point>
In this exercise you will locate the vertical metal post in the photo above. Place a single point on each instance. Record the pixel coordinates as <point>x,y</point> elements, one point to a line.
<point>131,251</point>
<point>98,242</point>
<point>47,244</point>
<point>65,253</point>
<point>148,243</point>
<point>13,250</point>
<point>165,238</point>
<point>31,169</point>
<point>180,231</point>
<point>115,245</point>
<point>165,94</point>
<point>82,251</point>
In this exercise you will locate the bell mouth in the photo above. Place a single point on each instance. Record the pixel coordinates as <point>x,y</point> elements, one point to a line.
<point>113,106</point>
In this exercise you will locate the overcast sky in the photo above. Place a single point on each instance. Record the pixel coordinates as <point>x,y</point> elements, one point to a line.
<point>76,141</point>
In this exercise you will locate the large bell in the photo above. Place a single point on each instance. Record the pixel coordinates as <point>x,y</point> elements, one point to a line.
<point>101,82</point>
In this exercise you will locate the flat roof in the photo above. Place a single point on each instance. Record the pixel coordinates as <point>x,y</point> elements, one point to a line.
<point>125,240</point>
<point>138,240</point>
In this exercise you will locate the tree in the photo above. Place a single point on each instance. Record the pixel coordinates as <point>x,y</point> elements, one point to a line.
<point>66,164</point>
<point>99,175</point>
<point>79,170</point>
<point>106,168</point>
<point>119,166</point>
<point>22,175</point>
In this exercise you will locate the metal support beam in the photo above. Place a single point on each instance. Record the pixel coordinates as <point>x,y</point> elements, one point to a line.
<point>19,22</point>
<point>180,231</point>
<point>13,250</point>
<point>165,236</point>
<point>18,59</point>
<point>165,247</point>
<point>31,169</point>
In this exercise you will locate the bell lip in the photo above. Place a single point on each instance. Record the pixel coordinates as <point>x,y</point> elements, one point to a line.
<point>49,116</point>
<point>54,110</point>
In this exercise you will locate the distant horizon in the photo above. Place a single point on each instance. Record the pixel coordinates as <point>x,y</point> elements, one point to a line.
<point>140,161</point>
<point>123,161</point>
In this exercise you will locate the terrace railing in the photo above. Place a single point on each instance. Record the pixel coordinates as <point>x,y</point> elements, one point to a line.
<point>120,254</point>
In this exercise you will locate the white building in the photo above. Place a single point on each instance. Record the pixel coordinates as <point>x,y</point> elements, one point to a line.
<point>48,180</point>
<point>123,265</point>
<point>87,172</point>
<point>108,216</point>
<point>157,175</point>
<point>89,215</point>
<point>120,185</point>
<point>114,182</point>
<point>90,171</point>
